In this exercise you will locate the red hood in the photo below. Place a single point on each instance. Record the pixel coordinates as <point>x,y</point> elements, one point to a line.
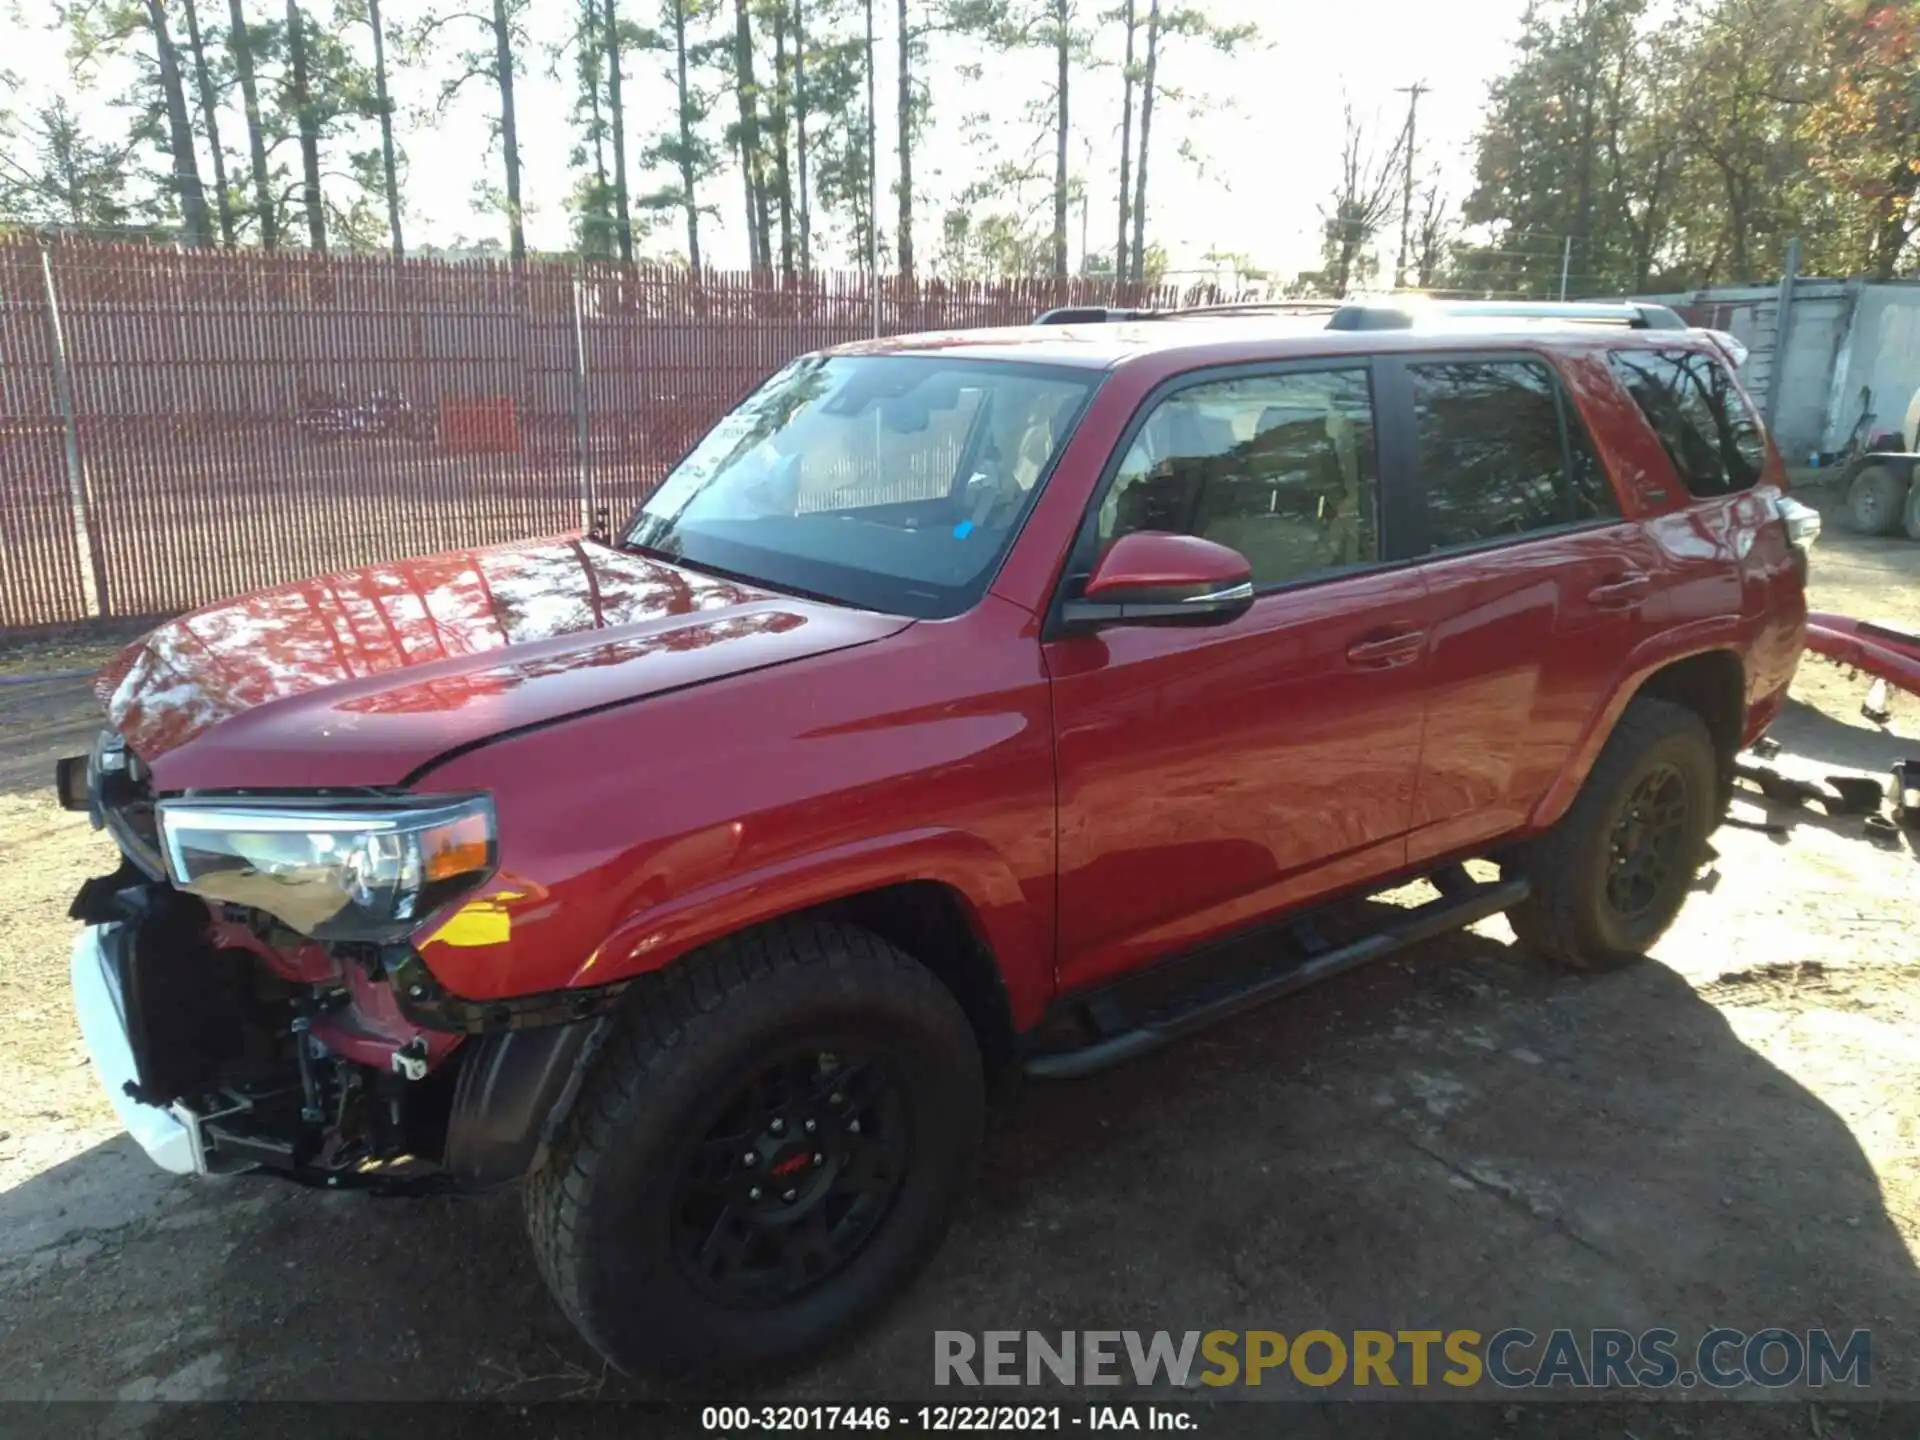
<point>363,677</point>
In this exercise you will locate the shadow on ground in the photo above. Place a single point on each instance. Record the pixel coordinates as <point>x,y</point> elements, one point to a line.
<point>1461,1140</point>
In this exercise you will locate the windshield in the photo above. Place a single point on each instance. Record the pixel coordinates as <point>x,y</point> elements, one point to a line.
<point>891,482</point>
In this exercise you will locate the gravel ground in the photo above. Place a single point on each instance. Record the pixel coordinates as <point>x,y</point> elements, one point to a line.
<point>1458,1138</point>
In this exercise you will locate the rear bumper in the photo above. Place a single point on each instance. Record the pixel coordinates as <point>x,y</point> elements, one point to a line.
<point>171,1137</point>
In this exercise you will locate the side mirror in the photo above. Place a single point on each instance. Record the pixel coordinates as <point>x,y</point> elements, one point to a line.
<point>1153,578</point>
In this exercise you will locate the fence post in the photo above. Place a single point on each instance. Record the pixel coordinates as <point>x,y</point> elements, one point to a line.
<point>582,438</point>
<point>93,583</point>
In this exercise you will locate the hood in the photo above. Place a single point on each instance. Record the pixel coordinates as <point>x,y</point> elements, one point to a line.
<point>361,678</point>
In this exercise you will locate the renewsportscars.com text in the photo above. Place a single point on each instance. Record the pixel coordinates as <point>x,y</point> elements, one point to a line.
<point>1512,1359</point>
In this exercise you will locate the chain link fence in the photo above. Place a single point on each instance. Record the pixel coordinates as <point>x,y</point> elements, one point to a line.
<point>178,426</point>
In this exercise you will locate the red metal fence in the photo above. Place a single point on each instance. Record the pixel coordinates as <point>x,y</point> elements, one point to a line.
<point>179,426</point>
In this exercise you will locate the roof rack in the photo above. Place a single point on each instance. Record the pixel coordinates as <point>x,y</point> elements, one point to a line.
<point>1105,314</point>
<point>1389,314</point>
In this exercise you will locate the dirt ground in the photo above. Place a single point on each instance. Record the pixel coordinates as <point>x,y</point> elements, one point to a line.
<point>1728,1136</point>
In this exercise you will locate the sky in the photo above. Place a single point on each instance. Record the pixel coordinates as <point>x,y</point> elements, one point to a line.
<point>1264,121</point>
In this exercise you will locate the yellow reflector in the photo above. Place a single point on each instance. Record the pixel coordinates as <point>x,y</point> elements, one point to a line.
<point>455,849</point>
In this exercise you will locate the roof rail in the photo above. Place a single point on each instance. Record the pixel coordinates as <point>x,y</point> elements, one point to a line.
<point>1092,315</point>
<point>1386,315</point>
<point>1106,314</point>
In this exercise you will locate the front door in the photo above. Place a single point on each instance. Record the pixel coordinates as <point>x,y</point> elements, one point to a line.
<point>1211,776</point>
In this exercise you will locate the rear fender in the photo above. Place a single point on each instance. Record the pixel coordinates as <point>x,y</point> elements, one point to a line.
<point>1001,913</point>
<point>1681,643</point>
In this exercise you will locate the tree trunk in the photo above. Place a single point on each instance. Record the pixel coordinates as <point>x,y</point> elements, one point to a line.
<point>209,116</point>
<point>904,103</point>
<point>781,112</point>
<point>594,237</point>
<point>1126,146</point>
<point>684,96</point>
<point>1147,87</point>
<point>800,131</point>
<point>509,129</point>
<point>240,43</point>
<point>388,167</point>
<point>749,98</point>
<point>308,125</point>
<point>617,114</point>
<point>1063,58</point>
<point>186,166</point>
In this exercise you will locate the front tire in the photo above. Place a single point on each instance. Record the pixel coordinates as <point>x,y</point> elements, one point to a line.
<point>767,1150</point>
<point>1610,877</point>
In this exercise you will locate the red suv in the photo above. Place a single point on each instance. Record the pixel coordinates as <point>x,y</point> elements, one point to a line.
<point>706,878</point>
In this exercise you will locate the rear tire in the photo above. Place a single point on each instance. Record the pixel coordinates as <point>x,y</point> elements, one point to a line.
<point>766,1151</point>
<point>1874,500</point>
<point>1910,518</point>
<point>1610,877</point>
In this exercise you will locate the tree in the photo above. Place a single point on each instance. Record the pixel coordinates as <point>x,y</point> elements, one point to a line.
<point>241,45</point>
<point>1863,132</point>
<point>299,99</point>
<point>682,149</point>
<point>613,37</point>
<point>1165,26</point>
<point>746,139</point>
<point>1130,21</point>
<point>494,60</point>
<point>367,12</point>
<point>210,119</point>
<point>64,177</point>
<point>184,182</point>
<point>1360,205</point>
<point>596,227</point>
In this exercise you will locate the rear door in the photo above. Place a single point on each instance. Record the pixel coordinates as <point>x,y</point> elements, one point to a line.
<point>1211,776</point>
<point>1536,587</point>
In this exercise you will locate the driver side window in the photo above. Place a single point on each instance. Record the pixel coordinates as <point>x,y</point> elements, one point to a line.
<point>1278,467</point>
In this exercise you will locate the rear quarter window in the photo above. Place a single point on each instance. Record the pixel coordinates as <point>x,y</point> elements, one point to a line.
<point>1704,423</point>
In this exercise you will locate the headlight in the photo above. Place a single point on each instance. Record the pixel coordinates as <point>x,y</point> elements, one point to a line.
<point>334,870</point>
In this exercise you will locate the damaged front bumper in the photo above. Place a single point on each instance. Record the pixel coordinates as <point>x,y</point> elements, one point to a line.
<point>221,1058</point>
<point>170,1136</point>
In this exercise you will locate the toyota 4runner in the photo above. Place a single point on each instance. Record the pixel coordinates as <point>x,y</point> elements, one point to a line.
<point>707,877</point>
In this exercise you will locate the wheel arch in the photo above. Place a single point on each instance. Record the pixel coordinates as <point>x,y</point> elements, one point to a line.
<point>1711,681</point>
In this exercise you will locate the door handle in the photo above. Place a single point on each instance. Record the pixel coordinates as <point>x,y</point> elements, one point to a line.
<point>1382,652</point>
<point>1623,592</point>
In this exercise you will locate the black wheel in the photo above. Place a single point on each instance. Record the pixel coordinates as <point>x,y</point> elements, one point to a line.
<point>1874,500</point>
<point>767,1149</point>
<point>1910,516</point>
<point>1610,877</point>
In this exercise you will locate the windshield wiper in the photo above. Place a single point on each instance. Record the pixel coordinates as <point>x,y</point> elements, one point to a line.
<point>741,577</point>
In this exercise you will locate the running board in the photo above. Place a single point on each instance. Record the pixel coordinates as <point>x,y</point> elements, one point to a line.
<point>1462,902</point>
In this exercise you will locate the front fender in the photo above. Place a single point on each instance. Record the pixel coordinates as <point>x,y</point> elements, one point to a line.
<point>660,934</point>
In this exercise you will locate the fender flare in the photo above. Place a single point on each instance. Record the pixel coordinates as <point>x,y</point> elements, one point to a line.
<point>1701,637</point>
<point>1002,915</point>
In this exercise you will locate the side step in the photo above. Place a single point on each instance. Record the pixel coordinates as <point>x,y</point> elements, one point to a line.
<point>1462,901</point>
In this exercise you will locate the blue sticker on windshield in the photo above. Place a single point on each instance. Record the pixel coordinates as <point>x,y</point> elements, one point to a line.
<point>963,529</point>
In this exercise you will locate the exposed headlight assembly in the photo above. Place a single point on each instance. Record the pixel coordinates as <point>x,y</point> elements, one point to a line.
<point>331,869</point>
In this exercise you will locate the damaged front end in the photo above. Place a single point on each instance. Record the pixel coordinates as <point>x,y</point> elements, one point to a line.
<point>229,1040</point>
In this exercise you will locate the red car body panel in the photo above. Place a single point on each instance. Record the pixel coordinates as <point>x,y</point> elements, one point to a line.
<point>673,757</point>
<point>635,834</point>
<point>357,679</point>
<point>1887,651</point>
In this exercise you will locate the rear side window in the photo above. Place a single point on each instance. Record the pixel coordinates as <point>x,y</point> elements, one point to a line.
<point>1502,453</point>
<point>1708,429</point>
